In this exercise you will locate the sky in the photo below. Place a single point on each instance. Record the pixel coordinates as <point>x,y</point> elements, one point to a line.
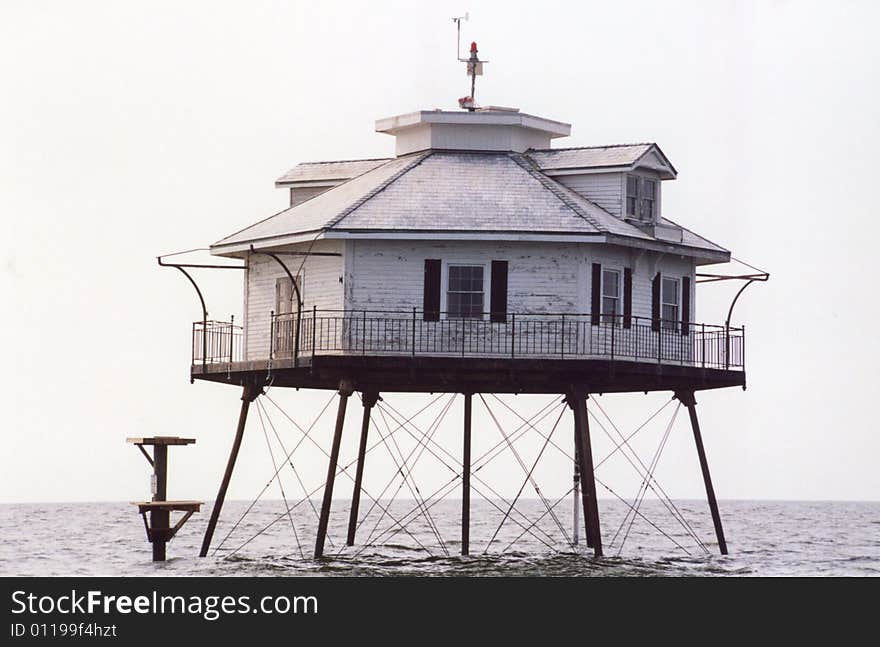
<point>129,130</point>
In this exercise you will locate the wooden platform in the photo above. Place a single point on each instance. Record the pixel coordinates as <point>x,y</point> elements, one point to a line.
<point>161,440</point>
<point>470,374</point>
<point>169,506</point>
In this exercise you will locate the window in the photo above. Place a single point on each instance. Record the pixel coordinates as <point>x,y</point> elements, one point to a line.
<point>632,194</point>
<point>611,309</point>
<point>649,192</point>
<point>641,198</point>
<point>669,304</point>
<point>464,291</point>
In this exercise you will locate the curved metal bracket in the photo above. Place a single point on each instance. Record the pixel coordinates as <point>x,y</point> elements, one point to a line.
<point>760,275</point>
<point>181,266</point>
<point>299,301</point>
<point>195,285</point>
<point>733,303</point>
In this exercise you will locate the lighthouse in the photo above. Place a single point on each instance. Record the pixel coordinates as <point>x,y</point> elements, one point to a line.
<point>478,256</point>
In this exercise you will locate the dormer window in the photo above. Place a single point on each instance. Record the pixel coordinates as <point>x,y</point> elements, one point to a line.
<point>641,198</point>
<point>649,192</point>
<point>632,195</point>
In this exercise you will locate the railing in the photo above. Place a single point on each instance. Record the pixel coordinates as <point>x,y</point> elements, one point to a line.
<point>558,336</point>
<point>217,342</point>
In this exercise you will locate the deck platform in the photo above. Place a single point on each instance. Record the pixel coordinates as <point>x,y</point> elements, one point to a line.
<point>469,374</point>
<point>161,440</point>
<point>169,506</point>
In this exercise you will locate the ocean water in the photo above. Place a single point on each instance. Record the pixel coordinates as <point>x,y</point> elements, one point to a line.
<point>765,538</point>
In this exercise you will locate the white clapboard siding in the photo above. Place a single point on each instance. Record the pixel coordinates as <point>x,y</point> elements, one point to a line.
<point>542,277</point>
<point>605,189</point>
<point>389,276</point>
<point>321,288</point>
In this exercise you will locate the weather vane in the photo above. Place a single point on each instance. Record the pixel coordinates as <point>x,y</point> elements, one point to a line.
<point>474,66</point>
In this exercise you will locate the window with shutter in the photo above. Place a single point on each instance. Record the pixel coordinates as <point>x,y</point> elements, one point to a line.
<point>648,196</point>
<point>611,309</point>
<point>465,292</point>
<point>632,194</point>
<point>669,301</point>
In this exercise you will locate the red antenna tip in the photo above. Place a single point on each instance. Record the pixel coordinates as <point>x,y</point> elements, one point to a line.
<point>474,46</point>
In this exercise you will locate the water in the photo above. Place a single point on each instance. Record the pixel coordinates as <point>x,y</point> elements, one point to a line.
<point>766,538</point>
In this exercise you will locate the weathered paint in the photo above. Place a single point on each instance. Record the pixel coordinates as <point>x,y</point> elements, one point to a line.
<point>543,277</point>
<point>605,189</point>
<point>321,288</point>
<point>608,190</point>
<point>298,195</point>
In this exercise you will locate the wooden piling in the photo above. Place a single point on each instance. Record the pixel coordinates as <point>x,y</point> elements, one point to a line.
<point>160,519</point>
<point>160,523</point>
<point>159,529</point>
<point>160,472</point>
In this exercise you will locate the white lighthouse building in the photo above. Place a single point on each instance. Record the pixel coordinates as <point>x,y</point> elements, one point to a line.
<point>476,217</point>
<point>478,258</point>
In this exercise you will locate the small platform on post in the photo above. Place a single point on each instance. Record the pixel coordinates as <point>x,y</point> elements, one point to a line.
<point>159,528</point>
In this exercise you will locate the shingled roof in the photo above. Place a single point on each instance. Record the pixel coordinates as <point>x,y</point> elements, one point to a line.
<point>446,191</point>
<point>328,171</point>
<point>593,157</point>
<point>551,159</point>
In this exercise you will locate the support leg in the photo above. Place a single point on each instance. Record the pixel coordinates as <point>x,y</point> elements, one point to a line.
<point>688,400</point>
<point>160,471</point>
<point>575,512</point>
<point>160,520</point>
<point>345,390</point>
<point>249,394</point>
<point>584,491</point>
<point>578,403</point>
<point>466,478</point>
<point>369,399</point>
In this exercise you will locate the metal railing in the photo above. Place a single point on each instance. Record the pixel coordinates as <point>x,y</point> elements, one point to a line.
<point>516,335</point>
<point>217,342</point>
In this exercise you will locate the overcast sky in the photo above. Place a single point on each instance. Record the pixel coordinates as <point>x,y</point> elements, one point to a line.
<point>133,129</point>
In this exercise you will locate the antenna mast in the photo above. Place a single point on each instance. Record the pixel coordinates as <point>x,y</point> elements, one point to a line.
<point>474,65</point>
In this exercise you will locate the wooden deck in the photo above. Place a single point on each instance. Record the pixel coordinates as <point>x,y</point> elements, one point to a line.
<point>170,506</point>
<point>469,374</point>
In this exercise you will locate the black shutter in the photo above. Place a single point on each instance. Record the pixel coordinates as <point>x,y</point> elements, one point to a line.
<point>596,293</point>
<point>655,303</point>
<point>431,304</point>
<point>627,297</point>
<point>685,305</point>
<point>498,298</point>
